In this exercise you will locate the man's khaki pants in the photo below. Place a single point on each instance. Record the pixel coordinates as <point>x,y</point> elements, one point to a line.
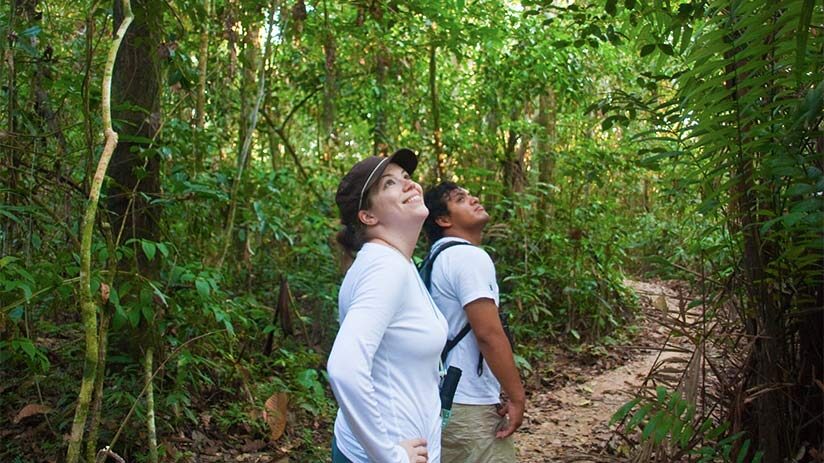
<point>469,437</point>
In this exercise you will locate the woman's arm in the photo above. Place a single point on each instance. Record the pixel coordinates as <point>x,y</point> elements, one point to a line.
<point>376,298</point>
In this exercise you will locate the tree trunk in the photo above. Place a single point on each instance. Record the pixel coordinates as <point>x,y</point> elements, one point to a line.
<point>379,144</point>
<point>437,144</point>
<point>768,326</point>
<point>202,67</point>
<point>246,145</point>
<point>548,136</point>
<point>136,168</point>
<point>9,227</point>
<point>514,157</point>
<point>330,89</point>
<point>251,55</point>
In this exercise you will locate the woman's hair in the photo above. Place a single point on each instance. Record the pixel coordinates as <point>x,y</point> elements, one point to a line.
<point>352,237</point>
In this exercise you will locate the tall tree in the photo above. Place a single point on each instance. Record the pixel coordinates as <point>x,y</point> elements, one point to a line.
<point>136,92</point>
<point>136,163</point>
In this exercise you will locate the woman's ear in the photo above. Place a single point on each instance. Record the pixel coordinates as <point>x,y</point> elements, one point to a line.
<point>367,218</point>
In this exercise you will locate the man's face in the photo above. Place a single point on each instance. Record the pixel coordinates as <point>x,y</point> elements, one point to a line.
<point>465,211</point>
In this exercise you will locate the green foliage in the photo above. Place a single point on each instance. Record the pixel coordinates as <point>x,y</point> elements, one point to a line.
<point>637,128</point>
<point>670,422</point>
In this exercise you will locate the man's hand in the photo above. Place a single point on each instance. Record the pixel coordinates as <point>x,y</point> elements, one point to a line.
<point>514,411</point>
<point>415,450</point>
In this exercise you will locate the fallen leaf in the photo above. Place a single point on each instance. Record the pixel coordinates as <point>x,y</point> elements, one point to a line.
<point>104,292</point>
<point>274,412</point>
<point>661,303</point>
<point>31,410</point>
<point>253,445</point>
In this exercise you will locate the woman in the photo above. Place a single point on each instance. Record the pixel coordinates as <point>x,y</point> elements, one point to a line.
<point>384,364</point>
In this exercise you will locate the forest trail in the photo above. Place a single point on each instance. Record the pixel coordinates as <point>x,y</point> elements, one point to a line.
<point>570,423</point>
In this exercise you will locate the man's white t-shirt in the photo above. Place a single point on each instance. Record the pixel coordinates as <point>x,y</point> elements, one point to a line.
<point>460,275</point>
<point>383,366</point>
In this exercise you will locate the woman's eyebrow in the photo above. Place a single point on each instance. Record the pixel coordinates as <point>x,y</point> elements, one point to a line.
<point>397,175</point>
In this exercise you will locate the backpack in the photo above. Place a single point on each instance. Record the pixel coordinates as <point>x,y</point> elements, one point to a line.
<point>425,271</point>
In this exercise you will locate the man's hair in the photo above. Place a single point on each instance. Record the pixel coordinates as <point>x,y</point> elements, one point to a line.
<point>435,199</point>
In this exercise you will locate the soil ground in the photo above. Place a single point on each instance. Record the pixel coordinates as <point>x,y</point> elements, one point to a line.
<point>569,421</point>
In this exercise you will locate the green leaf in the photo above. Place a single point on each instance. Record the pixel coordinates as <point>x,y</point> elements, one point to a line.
<point>647,49</point>
<point>16,314</point>
<point>26,346</point>
<point>623,411</point>
<point>639,416</point>
<point>801,38</point>
<point>800,189</point>
<point>742,453</point>
<point>652,425</point>
<point>661,394</point>
<point>202,288</point>
<point>610,7</point>
<point>717,431</point>
<point>662,429</point>
<point>11,216</point>
<point>163,249</point>
<point>677,427</point>
<point>7,260</point>
<point>134,316</point>
<point>675,400</point>
<point>147,311</point>
<point>686,435</point>
<point>31,32</point>
<point>149,249</point>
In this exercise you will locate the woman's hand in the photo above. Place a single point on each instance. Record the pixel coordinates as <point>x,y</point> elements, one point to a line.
<point>416,450</point>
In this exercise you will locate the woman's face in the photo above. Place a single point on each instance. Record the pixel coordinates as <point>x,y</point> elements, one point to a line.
<point>395,199</point>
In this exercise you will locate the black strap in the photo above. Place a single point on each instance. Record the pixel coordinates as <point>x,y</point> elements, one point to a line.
<point>450,344</point>
<point>426,266</point>
<point>426,275</point>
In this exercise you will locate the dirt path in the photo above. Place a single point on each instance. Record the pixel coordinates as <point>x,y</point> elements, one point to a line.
<point>566,423</point>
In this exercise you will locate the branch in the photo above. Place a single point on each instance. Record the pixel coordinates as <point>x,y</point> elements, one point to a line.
<point>299,105</point>
<point>87,304</point>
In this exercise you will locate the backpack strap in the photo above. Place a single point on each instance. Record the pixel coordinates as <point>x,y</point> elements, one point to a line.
<point>427,264</point>
<point>451,343</point>
<point>426,275</point>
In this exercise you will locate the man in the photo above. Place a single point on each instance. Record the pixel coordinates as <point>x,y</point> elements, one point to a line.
<point>465,289</point>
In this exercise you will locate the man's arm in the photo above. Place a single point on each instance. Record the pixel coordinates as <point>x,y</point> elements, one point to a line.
<point>483,318</point>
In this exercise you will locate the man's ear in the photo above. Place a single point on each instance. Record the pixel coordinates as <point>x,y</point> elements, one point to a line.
<point>444,221</point>
<point>367,218</point>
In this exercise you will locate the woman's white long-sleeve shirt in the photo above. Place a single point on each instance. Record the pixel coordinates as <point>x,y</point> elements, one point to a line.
<point>384,363</point>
